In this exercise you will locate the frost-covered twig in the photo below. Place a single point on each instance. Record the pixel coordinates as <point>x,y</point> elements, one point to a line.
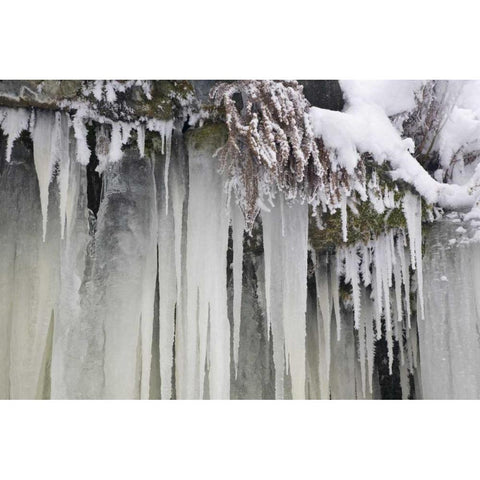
<point>272,147</point>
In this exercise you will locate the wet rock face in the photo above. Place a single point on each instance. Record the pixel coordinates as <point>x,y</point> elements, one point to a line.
<point>38,93</point>
<point>131,100</point>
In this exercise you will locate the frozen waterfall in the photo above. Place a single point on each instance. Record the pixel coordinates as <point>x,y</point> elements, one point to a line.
<point>158,290</point>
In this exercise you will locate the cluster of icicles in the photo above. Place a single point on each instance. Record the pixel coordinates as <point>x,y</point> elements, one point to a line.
<point>137,300</point>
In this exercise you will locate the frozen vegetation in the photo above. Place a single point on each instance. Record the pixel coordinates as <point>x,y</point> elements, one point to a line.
<point>250,246</point>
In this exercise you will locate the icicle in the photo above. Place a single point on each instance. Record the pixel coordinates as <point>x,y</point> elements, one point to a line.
<point>369,316</point>
<point>362,344</point>
<point>343,210</point>
<point>286,290</point>
<point>398,288</point>
<point>80,130</point>
<point>324,319</point>
<point>334,287</point>
<point>168,140</point>
<point>116,142</point>
<point>126,131</point>
<point>45,133</point>
<point>412,209</point>
<point>352,276</point>
<point>405,269</point>
<point>14,121</point>
<point>98,89</point>
<point>366,260</point>
<point>295,244</point>
<point>385,269</point>
<point>238,228</point>
<point>110,94</point>
<point>389,337</point>
<point>274,291</point>
<point>141,139</point>
<point>377,292</point>
<point>63,157</point>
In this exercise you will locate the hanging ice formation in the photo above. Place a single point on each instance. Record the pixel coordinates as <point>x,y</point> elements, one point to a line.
<point>148,298</point>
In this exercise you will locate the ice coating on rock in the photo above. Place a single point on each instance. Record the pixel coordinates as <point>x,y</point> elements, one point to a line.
<point>125,243</point>
<point>448,335</point>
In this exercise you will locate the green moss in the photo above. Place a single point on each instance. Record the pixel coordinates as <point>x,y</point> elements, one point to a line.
<point>211,136</point>
<point>166,99</point>
<point>362,227</point>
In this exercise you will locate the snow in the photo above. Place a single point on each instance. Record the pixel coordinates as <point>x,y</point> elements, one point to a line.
<point>365,128</point>
<point>393,96</point>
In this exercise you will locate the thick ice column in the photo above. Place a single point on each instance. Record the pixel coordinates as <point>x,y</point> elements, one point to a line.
<point>206,264</point>
<point>285,244</point>
<point>274,290</point>
<point>29,277</point>
<point>125,247</point>
<point>295,300</point>
<point>77,356</point>
<point>448,335</point>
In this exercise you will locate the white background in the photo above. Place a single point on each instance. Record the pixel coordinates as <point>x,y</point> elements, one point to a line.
<point>251,439</point>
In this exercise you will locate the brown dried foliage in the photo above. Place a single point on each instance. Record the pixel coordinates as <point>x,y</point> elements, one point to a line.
<point>271,145</point>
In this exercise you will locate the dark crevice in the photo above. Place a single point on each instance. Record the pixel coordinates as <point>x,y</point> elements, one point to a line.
<point>94,179</point>
<point>186,125</point>
<point>390,386</point>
